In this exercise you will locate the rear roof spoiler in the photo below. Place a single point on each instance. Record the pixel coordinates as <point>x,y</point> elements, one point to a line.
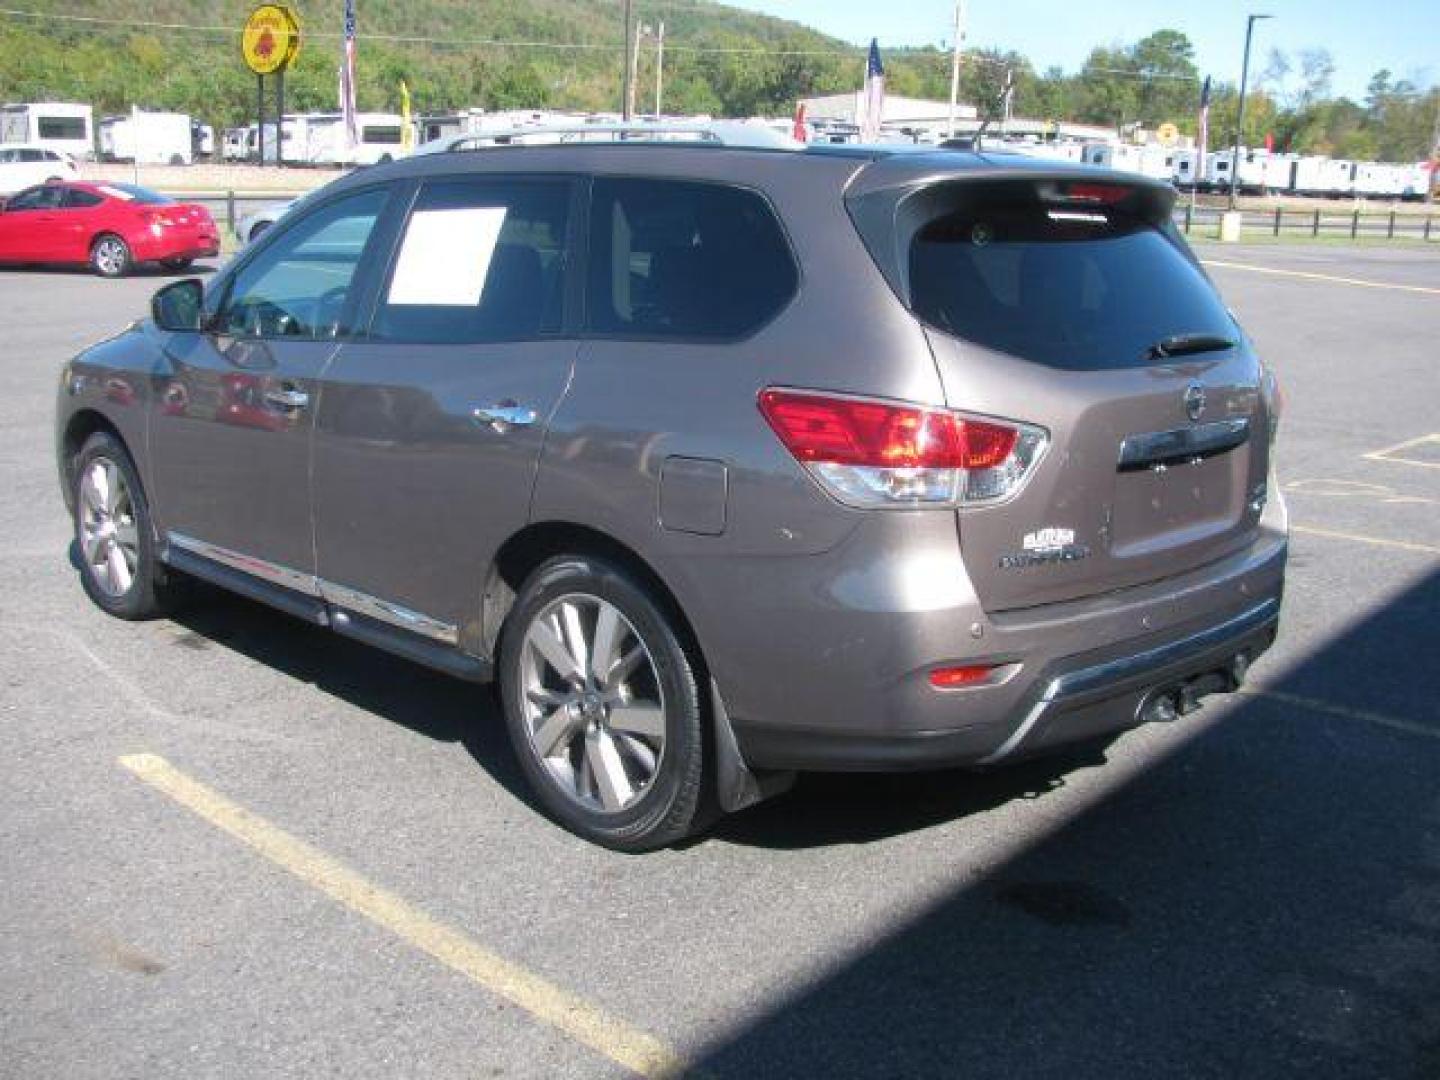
<point>892,198</point>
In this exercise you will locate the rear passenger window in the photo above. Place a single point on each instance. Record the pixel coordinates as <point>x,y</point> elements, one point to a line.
<point>681,259</point>
<point>79,200</point>
<point>479,261</point>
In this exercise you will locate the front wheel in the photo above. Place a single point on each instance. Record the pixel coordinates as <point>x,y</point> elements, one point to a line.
<point>114,537</point>
<point>110,256</point>
<point>602,705</point>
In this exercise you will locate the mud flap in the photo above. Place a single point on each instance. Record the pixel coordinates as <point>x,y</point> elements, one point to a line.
<point>736,785</point>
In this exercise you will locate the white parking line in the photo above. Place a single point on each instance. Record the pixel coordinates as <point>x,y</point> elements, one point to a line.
<point>627,1046</point>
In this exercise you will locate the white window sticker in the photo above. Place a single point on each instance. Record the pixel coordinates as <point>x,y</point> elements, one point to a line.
<point>116,193</point>
<point>445,257</point>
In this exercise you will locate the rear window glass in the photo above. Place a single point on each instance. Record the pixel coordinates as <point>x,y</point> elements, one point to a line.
<point>1069,286</point>
<point>681,259</point>
<point>136,193</point>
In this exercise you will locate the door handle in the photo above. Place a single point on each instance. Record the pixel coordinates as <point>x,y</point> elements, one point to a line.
<point>287,398</point>
<point>504,416</point>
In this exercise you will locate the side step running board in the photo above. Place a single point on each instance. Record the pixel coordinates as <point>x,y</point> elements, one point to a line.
<point>440,657</point>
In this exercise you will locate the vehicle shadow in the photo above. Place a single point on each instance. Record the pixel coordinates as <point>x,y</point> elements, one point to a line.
<point>144,270</point>
<point>428,703</point>
<point>1263,902</point>
<point>823,810</point>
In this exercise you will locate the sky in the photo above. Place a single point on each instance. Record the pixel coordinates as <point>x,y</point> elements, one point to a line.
<point>1402,35</point>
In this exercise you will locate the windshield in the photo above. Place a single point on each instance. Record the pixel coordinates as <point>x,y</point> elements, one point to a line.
<point>1070,286</point>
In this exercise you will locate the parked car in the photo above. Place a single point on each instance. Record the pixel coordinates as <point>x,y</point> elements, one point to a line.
<point>111,227</point>
<point>253,225</point>
<point>24,166</point>
<point>725,463</point>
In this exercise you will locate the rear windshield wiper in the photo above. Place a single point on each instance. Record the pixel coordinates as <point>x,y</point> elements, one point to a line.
<point>1188,344</point>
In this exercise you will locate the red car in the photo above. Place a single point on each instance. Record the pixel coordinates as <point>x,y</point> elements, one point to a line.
<point>112,227</point>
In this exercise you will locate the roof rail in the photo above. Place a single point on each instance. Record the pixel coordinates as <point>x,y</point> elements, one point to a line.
<point>731,133</point>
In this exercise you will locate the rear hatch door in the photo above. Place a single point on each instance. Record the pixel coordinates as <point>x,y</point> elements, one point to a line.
<point>1071,305</point>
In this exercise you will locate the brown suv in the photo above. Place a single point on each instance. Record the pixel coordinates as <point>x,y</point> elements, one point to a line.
<point>724,463</point>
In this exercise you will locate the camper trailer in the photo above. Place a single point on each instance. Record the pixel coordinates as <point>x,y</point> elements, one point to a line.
<point>148,138</point>
<point>55,125</point>
<point>380,138</point>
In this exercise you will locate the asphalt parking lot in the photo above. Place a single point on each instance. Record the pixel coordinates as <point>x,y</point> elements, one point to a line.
<point>234,846</point>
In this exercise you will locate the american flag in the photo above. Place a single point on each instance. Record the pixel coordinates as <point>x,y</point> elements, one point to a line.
<point>1202,137</point>
<point>347,78</point>
<point>872,105</point>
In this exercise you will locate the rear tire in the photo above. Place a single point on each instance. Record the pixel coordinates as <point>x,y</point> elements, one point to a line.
<point>114,534</point>
<point>110,256</point>
<point>602,704</point>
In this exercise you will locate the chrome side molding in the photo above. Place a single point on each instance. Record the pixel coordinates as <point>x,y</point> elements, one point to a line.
<point>384,611</point>
<point>295,580</point>
<point>337,596</point>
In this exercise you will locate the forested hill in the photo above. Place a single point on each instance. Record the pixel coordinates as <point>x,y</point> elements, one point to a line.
<point>568,54</point>
<point>560,54</point>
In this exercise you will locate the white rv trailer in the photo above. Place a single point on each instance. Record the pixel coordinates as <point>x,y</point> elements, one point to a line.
<point>1053,150</point>
<point>1148,160</point>
<point>55,125</point>
<point>380,139</point>
<point>148,138</point>
<point>1260,171</point>
<point>234,144</point>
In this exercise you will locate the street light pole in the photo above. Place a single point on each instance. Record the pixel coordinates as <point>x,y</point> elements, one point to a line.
<point>659,68</point>
<point>625,92</point>
<point>1240,112</point>
<point>955,63</point>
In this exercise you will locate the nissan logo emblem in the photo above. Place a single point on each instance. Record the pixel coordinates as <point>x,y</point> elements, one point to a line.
<point>1194,401</point>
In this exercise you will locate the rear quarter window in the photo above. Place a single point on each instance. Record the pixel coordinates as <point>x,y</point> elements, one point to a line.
<point>1068,286</point>
<point>684,259</point>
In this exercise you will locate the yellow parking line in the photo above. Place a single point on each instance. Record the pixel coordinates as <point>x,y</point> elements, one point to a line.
<point>1427,289</point>
<point>1361,538</point>
<point>1394,723</point>
<point>636,1050</point>
<point>1392,453</point>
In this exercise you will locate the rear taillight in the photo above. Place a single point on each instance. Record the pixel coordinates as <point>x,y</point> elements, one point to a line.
<point>881,454</point>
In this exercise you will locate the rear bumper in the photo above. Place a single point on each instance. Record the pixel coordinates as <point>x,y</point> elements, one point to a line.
<point>1072,700</point>
<point>176,246</point>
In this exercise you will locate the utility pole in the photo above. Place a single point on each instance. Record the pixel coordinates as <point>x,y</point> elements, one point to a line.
<point>1434,172</point>
<point>659,68</point>
<point>626,92</point>
<point>640,31</point>
<point>1240,112</point>
<point>955,62</point>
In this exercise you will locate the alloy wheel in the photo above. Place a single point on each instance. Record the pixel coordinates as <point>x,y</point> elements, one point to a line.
<point>110,256</point>
<point>592,701</point>
<point>109,539</point>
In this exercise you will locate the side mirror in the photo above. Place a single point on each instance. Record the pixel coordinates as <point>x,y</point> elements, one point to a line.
<point>178,306</point>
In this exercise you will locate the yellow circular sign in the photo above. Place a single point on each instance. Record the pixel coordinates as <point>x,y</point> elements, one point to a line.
<point>1168,133</point>
<point>271,39</point>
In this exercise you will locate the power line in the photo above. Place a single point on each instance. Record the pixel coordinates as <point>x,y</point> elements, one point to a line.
<point>99,24</point>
